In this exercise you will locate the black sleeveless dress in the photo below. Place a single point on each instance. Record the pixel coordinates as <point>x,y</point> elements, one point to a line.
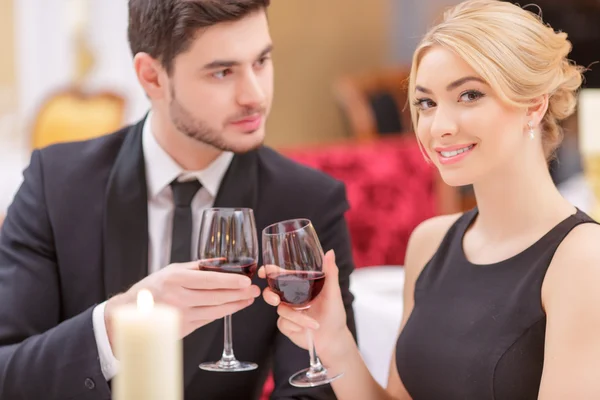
<point>477,331</point>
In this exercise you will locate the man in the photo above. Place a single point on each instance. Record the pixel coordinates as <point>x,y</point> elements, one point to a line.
<point>94,220</point>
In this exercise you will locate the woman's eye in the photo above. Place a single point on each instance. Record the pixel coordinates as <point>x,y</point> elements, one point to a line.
<point>424,104</point>
<point>471,95</point>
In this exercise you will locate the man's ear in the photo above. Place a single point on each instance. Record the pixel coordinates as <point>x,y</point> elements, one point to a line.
<point>151,75</point>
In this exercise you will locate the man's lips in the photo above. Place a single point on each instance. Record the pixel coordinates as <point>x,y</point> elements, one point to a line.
<point>249,124</point>
<point>247,120</point>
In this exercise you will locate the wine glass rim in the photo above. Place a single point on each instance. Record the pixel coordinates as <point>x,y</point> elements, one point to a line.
<point>305,223</point>
<point>230,209</point>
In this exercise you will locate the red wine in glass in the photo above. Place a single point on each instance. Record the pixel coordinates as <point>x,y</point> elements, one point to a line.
<point>297,288</point>
<point>241,266</point>
<point>293,260</point>
<point>228,244</point>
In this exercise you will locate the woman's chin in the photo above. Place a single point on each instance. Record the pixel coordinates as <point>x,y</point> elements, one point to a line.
<point>455,179</point>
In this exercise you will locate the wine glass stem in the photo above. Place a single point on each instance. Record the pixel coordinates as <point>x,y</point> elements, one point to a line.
<point>316,368</point>
<point>228,341</point>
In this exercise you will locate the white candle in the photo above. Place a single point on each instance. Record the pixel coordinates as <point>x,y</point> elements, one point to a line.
<point>589,121</point>
<point>77,14</point>
<point>149,351</point>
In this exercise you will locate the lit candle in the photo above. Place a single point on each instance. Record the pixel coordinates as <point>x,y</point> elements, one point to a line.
<point>589,121</point>
<point>77,14</point>
<point>149,351</point>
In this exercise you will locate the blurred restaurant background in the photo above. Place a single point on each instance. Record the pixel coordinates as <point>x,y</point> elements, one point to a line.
<point>340,106</point>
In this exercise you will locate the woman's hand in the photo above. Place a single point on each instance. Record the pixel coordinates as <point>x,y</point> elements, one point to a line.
<point>326,316</point>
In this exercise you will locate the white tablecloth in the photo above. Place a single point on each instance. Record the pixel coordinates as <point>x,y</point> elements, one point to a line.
<point>378,310</point>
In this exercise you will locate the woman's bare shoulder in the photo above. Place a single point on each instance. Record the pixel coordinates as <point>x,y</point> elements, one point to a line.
<point>575,267</point>
<point>425,240</point>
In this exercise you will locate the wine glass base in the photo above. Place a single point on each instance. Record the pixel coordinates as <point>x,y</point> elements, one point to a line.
<point>304,379</point>
<point>228,366</point>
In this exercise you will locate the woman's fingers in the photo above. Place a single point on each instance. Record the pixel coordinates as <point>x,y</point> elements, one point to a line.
<point>270,297</point>
<point>269,269</point>
<point>286,312</point>
<point>288,327</point>
<point>331,271</point>
<point>297,317</point>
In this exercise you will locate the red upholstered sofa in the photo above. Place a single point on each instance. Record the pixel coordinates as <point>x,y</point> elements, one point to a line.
<point>390,188</point>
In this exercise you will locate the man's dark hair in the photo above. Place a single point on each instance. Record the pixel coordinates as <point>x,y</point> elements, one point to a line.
<point>166,28</point>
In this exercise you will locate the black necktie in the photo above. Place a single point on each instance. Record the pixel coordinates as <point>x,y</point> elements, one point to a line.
<point>181,239</point>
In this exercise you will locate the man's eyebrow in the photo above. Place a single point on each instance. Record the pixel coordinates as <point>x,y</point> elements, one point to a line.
<point>216,64</point>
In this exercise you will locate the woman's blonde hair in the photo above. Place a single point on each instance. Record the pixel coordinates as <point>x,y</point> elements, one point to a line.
<point>519,56</point>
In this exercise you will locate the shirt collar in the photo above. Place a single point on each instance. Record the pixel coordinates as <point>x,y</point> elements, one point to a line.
<point>161,169</point>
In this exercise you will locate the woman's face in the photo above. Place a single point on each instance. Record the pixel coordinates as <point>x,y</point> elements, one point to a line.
<point>465,129</point>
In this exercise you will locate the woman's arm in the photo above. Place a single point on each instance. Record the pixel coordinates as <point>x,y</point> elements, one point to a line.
<point>571,298</point>
<point>338,350</point>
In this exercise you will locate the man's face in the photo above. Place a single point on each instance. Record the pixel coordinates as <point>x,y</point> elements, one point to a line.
<point>220,90</point>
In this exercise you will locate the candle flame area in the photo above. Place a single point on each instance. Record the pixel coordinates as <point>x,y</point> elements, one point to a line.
<point>145,301</point>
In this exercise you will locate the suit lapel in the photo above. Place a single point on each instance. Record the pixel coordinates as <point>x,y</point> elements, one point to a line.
<point>239,188</point>
<point>126,217</point>
<point>240,184</point>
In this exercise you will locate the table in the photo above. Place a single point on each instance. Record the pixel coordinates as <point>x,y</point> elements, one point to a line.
<point>378,310</point>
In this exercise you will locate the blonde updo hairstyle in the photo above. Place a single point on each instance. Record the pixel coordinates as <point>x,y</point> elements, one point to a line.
<point>515,53</point>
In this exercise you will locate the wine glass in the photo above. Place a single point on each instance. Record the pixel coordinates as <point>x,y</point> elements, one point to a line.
<point>293,260</point>
<point>228,244</point>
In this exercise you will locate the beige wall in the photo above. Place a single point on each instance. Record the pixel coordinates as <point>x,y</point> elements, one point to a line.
<point>315,41</point>
<point>8,100</point>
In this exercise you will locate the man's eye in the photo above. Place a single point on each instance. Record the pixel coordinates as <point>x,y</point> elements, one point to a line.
<point>263,61</point>
<point>222,74</point>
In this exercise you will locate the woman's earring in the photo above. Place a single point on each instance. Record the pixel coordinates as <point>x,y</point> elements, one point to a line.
<point>531,132</point>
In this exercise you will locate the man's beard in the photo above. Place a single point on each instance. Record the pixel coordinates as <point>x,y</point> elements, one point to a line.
<point>199,130</point>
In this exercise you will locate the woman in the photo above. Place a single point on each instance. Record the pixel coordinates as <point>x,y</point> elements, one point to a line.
<point>501,302</point>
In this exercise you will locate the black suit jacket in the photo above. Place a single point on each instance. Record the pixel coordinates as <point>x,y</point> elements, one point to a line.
<point>77,233</point>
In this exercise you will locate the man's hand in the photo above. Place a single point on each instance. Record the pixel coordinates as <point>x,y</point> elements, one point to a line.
<point>200,296</point>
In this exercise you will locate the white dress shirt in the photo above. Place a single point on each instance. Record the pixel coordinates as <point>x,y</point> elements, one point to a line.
<point>161,170</point>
